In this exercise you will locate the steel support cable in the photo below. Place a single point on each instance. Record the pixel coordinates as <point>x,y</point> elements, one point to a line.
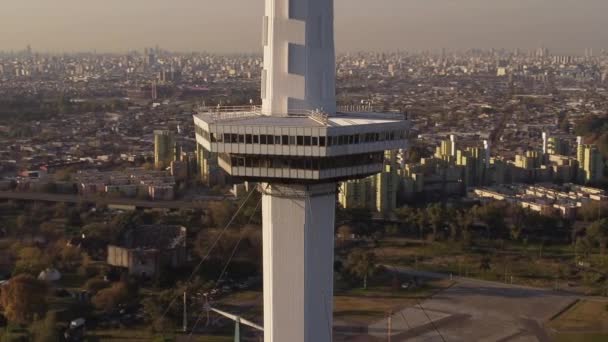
<point>430,320</point>
<point>196,269</point>
<point>234,250</point>
<point>395,270</point>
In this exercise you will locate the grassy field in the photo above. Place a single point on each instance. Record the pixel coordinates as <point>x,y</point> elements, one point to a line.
<point>585,321</point>
<point>531,265</point>
<point>584,316</point>
<point>363,307</point>
<point>580,337</point>
<point>356,306</point>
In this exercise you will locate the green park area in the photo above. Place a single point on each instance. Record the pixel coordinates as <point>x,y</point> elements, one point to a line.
<point>586,321</point>
<point>494,242</point>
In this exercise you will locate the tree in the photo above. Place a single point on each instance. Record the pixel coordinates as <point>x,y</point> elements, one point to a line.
<point>30,260</point>
<point>493,217</point>
<point>421,220</point>
<point>46,330</point>
<point>70,256</point>
<point>583,246</point>
<point>436,218</point>
<point>361,264</point>
<point>598,232</point>
<point>589,125</point>
<point>73,218</point>
<point>50,230</point>
<point>222,249</point>
<point>221,213</point>
<point>593,211</point>
<point>94,285</point>
<point>108,299</point>
<point>24,223</point>
<point>360,219</point>
<point>113,231</point>
<point>460,225</point>
<point>518,222</point>
<point>61,209</point>
<point>24,299</point>
<point>485,263</point>
<point>407,217</point>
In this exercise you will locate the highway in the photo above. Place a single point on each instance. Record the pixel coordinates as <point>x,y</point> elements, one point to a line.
<point>200,203</point>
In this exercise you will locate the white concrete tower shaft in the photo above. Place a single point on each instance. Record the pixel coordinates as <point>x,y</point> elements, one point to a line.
<point>299,57</point>
<point>298,233</point>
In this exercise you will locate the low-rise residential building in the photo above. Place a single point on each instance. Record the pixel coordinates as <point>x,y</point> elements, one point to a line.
<point>158,185</point>
<point>145,250</point>
<point>548,199</point>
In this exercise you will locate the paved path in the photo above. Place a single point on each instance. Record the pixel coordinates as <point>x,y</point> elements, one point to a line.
<point>476,310</point>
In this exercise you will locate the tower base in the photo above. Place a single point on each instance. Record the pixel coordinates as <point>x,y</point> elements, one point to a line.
<point>298,231</point>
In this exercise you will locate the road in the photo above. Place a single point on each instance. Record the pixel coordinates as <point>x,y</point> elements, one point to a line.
<point>472,281</point>
<point>476,310</point>
<point>201,203</point>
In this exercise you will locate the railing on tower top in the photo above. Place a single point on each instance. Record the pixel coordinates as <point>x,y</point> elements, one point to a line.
<point>238,112</point>
<point>226,113</point>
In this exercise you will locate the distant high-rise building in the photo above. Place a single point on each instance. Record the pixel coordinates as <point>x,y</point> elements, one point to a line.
<point>151,59</point>
<point>208,167</point>
<point>164,148</point>
<point>528,161</point>
<point>473,161</point>
<point>553,145</point>
<point>590,163</point>
<point>447,149</point>
<point>557,146</point>
<point>378,192</point>
<point>154,91</point>
<point>387,184</point>
<point>357,194</point>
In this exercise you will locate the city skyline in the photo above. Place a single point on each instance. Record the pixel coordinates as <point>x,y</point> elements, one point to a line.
<point>231,26</point>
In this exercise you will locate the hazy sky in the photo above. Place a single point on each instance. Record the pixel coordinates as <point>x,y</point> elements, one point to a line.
<point>235,25</point>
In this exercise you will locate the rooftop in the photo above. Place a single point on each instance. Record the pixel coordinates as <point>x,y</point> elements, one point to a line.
<point>252,116</point>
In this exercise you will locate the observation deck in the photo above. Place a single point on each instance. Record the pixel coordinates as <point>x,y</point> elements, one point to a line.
<point>308,146</point>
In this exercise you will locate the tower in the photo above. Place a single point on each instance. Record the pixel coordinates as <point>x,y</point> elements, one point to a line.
<point>299,57</point>
<point>164,148</point>
<point>453,145</point>
<point>488,152</point>
<point>297,146</point>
